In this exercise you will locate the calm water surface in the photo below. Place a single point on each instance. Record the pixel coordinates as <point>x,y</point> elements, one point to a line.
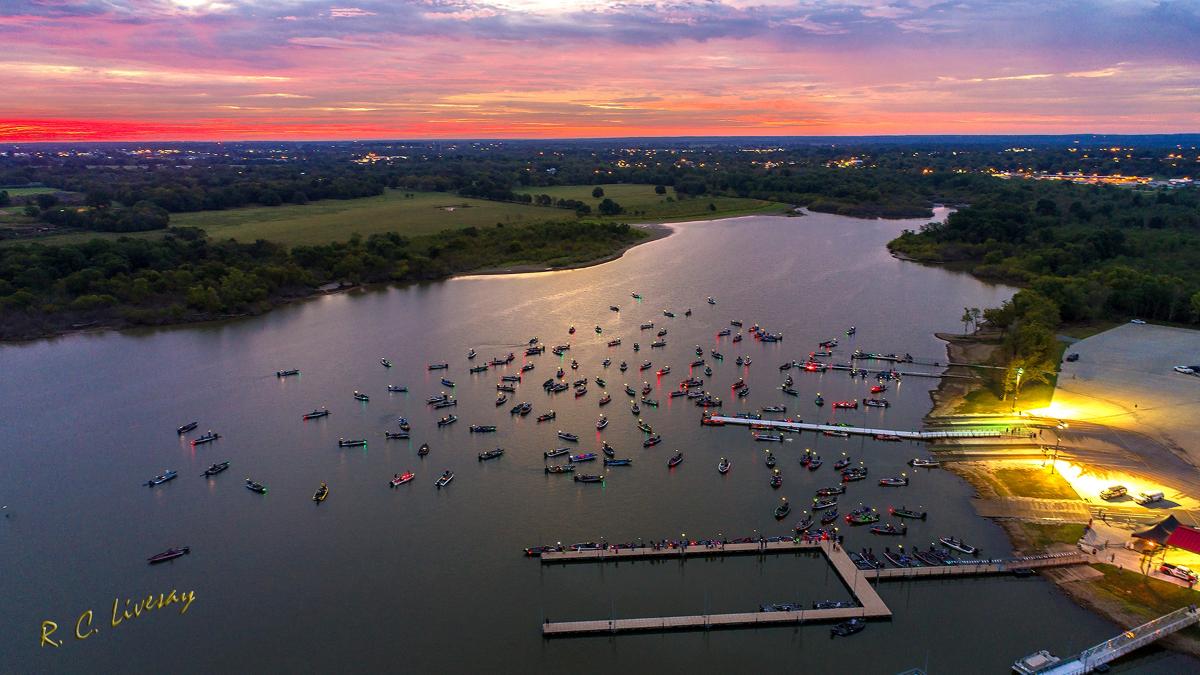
<point>420,579</point>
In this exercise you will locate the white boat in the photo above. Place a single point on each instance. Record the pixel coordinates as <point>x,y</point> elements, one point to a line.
<point>958,545</point>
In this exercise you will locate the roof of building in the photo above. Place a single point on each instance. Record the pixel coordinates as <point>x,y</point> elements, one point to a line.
<point>1159,532</point>
<point>1185,538</point>
<point>1170,532</point>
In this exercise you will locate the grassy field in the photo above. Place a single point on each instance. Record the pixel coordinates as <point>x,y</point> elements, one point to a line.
<point>641,203</point>
<point>1040,484</point>
<point>422,213</point>
<point>1142,595</point>
<point>14,215</point>
<point>985,399</point>
<point>333,220</point>
<point>27,191</point>
<point>1041,536</point>
<point>1083,330</point>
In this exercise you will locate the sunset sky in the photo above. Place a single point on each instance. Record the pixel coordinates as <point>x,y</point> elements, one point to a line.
<point>283,69</point>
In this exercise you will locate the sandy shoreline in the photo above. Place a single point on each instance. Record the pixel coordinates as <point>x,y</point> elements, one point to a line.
<point>952,390</point>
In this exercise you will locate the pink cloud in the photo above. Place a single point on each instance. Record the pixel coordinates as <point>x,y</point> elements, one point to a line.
<point>517,68</point>
<point>349,12</point>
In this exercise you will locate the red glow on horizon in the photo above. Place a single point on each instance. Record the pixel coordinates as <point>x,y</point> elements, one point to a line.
<point>231,70</point>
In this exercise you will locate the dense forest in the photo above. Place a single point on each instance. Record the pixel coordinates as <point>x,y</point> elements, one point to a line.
<point>1079,254</point>
<point>1096,252</point>
<point>183,276</point>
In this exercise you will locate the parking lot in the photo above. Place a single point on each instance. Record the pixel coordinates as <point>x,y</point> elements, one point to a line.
<point>1125,378</point>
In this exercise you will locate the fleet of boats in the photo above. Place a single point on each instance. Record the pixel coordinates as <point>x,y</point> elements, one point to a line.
<point>824,503</point>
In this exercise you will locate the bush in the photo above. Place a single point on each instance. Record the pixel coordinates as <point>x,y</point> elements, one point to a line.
<point>86,302</point>
<point>609,208</point>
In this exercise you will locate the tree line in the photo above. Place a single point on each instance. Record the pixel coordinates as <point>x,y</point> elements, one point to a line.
<point>185,276</point>
<point>1096,252</point>
<point>860,178</point>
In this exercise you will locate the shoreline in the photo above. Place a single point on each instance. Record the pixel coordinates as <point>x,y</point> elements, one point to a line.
<point>951,391</point>
<point>946,397</point>
<point>655,231</point>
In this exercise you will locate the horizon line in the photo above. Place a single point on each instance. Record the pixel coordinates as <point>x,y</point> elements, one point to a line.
<point>397,139</point>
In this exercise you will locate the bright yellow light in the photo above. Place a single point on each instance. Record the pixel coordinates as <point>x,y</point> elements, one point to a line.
<point>1057,410</point>
<point>1089,481</point>
<point>1070,406</point>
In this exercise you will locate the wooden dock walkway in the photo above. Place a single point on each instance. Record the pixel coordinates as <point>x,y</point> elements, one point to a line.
<point>905,373</point>
<point>1005,566</point>
<point>649,553</point>
<point>699,622</point>
<point>871,606</point>
<point>863,431</point>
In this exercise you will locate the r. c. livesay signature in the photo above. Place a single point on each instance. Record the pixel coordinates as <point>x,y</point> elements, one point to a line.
<point>130,610</point>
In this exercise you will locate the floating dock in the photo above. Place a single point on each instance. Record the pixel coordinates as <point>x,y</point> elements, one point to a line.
<point>862,431</point>
<point>650,553</point>
<point>871,606</point>
<point>903,373</point>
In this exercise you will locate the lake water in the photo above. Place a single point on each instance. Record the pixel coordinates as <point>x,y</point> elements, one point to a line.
<point>420,579</point>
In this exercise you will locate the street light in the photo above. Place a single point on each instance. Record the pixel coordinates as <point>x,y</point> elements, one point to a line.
<point>1058,429</point>
<point>1017,391</point>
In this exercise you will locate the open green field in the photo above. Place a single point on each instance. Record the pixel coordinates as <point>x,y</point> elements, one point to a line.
<point>335,219</point>
<point>27,191</point>
<point>641,203</point>
<point>1022,482</point>
<point>1043,535</point>
<point>422,213</point>
<point>1144,596</point>
<point>14,216</point>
